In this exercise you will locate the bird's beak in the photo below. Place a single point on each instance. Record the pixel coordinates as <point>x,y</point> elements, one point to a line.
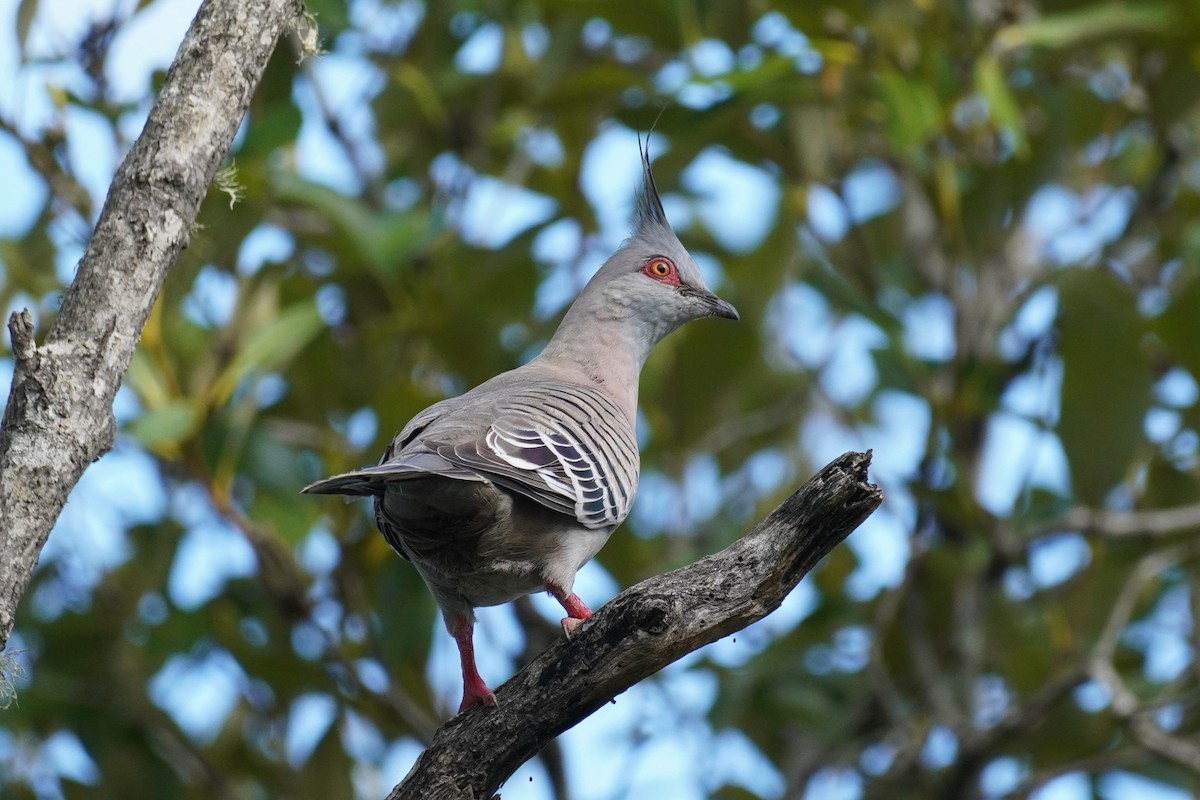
<point>715,306</point>
<point>722,309</point>
<point>718,307</point>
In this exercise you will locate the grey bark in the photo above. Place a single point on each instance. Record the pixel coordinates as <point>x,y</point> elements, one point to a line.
<point>639,632</point>
<point>59,414</point>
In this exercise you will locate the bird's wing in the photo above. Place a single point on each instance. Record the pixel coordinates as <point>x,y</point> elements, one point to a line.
<point>565,446</point>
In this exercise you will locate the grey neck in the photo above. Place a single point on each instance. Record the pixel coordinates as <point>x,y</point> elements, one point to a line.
<point>605,348</point>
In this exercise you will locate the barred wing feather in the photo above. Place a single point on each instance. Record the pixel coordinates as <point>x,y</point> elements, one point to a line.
<point>565,446</point>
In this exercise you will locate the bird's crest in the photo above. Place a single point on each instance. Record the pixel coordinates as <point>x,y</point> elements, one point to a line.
<point>649,206</point>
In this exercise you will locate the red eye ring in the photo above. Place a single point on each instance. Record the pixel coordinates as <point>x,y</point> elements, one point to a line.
<point>659,268</point>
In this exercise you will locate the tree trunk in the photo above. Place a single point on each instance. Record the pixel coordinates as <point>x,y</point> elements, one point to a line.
<point>59,415</point>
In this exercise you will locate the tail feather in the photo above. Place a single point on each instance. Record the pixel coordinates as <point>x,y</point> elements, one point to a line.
<point>373,480</point>
<point>350,483</point>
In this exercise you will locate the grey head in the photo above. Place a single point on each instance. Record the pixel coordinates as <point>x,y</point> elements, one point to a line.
<point>648,287</point>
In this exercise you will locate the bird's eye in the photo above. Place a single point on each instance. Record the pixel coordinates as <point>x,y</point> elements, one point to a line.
<point>659,267</point>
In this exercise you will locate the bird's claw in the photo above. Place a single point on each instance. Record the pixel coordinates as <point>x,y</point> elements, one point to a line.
<point>472,698</point>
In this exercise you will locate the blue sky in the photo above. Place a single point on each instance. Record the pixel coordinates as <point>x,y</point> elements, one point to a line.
<point>649,743</point>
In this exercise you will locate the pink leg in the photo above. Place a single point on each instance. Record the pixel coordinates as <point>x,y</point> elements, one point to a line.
<point>474,689</point>
<point>577,612</point>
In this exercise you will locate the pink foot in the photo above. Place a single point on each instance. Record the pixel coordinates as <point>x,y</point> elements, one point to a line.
<point>577,612</point>
<point>475,691</point>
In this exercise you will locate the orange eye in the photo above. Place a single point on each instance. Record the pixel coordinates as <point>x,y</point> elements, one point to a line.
<point>659,267</point>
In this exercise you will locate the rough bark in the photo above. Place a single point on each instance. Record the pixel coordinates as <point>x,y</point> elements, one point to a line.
<point>59,414</point>
<point>642,630</point>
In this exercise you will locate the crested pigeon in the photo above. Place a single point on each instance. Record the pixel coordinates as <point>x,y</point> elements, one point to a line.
<point>510,488</point>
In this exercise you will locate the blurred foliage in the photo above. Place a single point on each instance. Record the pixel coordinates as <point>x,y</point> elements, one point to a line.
<point>983,261</point>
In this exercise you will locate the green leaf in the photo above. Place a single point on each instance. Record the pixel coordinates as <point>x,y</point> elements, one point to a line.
<point>423,91</point>
<point>1106,380</point>
<point>26,14</point>
<point>147,380</point>
<point>1179,326</point>
<point>913,111</point>
<point>275,127</point>
<point>382,240</point>
<point>1090,22</point>
<point>164,428</point>
<point>269,347</point>
<point>1006,111</point>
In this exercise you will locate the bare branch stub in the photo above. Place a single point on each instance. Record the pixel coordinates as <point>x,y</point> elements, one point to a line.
<point>642,630</point>
<point>20,326</point>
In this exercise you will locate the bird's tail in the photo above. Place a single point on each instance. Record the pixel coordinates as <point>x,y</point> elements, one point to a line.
<point>373,480</point>
<point>349,483</point>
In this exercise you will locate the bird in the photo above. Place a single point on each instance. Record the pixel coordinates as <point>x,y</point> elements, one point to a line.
<point>510,488</point>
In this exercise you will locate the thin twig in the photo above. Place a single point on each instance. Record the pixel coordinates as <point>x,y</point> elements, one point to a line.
<point>1120,524</point>
<point>1126,705</point>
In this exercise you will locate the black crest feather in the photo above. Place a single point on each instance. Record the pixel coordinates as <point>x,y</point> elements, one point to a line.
<point>649,204</point>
